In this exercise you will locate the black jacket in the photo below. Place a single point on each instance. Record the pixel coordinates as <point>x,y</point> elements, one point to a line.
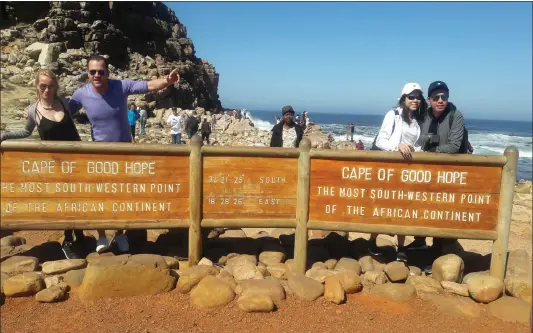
<point>277,136</point>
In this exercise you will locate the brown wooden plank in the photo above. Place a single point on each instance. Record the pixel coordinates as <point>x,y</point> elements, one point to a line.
<point>247,187</point>
<point>99,187</point>
<point>352,192</point>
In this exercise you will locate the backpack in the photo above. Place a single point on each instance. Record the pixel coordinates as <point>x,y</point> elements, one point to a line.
<point>374,147</point>
<point>466,147</point>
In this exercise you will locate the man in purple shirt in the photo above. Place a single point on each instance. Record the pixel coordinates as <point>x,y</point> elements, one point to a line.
<point>105,102</point>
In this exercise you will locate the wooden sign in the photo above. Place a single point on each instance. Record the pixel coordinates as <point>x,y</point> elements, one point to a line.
<point>405,194</point>
<point>249,187</point>
<point>70,187</point>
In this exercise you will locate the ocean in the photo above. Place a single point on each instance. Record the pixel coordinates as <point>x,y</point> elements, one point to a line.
<point>488,137</point>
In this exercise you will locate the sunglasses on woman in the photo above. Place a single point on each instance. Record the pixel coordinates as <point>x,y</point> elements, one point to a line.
<point>436,98</point>
<point>100,72</point>
<point>413,97</point>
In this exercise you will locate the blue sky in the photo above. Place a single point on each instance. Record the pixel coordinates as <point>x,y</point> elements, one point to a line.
<point>356,57</point>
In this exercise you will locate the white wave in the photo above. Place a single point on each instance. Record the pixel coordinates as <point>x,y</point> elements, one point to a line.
<point>260,123</point>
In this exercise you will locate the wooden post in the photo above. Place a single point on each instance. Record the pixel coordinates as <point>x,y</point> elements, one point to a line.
<point>195,200</point>
<point>302,206</point>
<point>498,261</point>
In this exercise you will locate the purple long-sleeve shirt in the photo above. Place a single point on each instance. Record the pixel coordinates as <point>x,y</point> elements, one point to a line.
<point>108,113</point>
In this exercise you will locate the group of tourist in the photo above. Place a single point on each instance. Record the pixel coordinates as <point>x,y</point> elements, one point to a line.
<point>410,127</point>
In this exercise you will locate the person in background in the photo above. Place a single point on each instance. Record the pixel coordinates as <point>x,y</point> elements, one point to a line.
<point>53,119</point>
<point>352,130</point>
<point>359,145</point>
<point>174,120</point>
<point>348,131</point>
<point>205,129</point>
<point>192,125</point>
<point>305,120</point>
<point>400,132</point>
<point>144,118</point>
<point>442,131</point>
<point>287,133</point>
<point>105,101</point>
<point>133,116</point>
<point>297,120</point>
<point>277,120</point>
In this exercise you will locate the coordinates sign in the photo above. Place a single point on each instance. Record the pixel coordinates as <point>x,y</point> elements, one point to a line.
<point>69,187</point>
<point>444,196</point>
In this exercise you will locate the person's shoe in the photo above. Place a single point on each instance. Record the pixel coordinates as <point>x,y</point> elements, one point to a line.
<point>70,250</point>
<point>428,269</point>
<point>401,254</point>
<point>374,249</point>
<point>417,244</point>
<point>122,243</point>
<point>102,244</point>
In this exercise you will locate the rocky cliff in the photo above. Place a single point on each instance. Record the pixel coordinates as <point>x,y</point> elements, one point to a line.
<point>142,40</point>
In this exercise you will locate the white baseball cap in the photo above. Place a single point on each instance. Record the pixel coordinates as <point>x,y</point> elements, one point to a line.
<point>410,87</point>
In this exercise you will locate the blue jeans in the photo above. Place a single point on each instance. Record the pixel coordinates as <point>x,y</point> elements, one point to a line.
<point>176,139</point>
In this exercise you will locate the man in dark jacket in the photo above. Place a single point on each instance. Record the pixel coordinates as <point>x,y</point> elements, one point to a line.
<point>441,131</point>
<point>192,125</point>
<point>287,133</point>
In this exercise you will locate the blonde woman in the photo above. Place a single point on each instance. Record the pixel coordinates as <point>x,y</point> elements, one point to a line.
<point>51,116</point>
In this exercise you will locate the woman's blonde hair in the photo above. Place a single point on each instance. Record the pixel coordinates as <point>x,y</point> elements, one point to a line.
<point>50,74</point>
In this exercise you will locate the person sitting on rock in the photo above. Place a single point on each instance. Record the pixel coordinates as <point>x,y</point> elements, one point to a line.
<point>400,132</point>
<point>53,118</point>
<point>287,133</point>
<point>359,145</point>
<point>105,102</point>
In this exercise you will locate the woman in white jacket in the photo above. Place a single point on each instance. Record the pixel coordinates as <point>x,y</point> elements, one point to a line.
<point>400,132</point>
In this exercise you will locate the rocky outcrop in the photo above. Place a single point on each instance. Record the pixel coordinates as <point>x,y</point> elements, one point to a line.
<point>141,40</point>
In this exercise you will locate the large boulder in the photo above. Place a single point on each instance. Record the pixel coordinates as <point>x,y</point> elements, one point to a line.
<point>424,284</point>
<point>211,292</point>
<point>255,303</point>
<point>19,264</point>
<point>12,240</point>
<point>348,264</point>
<point>49,54</point>
<point>484,288</point>
<point>124,275</point>
<point>53,294</point>
<point>25,284</point>
<point>396,271</point>
<point>319,274</point>
<point>511,309</point>
<point>519,287</point>
<point>34,50</point>
<point>63,266</point>
<point>350,281</point>
<point>399,292</point>
<point>449,267</point>
<point>270,287</point>
<point>305,288</point>
<point>191,276</point>
<point>333,290</point>
<point>272,254</point>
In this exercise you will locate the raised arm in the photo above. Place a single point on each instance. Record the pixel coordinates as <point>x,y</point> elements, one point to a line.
<point>158,84</point>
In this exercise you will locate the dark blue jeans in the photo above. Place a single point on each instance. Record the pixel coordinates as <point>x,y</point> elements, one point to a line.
<point>176,139</point>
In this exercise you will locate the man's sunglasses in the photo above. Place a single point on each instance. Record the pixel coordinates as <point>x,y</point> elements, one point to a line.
<point>100,72</point>
<point>413,97</point>
<point>436,98</point>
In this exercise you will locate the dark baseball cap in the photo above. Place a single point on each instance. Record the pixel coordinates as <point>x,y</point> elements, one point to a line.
<point>437,85</point>
<point>286,108</point>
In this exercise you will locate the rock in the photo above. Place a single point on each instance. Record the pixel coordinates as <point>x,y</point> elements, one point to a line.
<point>124,275</point>
<point>348,264</point>
<point>320,274</point>
<point>240,260</point>
<point>290,266</point>
<point>456,288</point>
<point>19,264</point>
<point>172,263</point>
<point>263,269</point>
<point>12,241</point>
<point>415,271</point>
<point>205,261</point>
<point>211,292</point>
<point>74,278</point>
<point>51,281</point>
<point>191,276</point>
<point>469,275</point>
<point>376,277</point>
<point>49,54</point>
<point>233,233</point>
<point>305,288</point>
<point>454,306</point>
<point>228,278</point>
<point>424,284</point>
<point>399,292</point>
<point>333,290</point>
<point>34,50</point>
<point>52,294</point>
<point>519,263</point>
<point>519,287</point>
<point>270,287</point>
<point>511,309</point>
<point>331,263</point>
<point>272,254</point>
<point>25,284</point>
<point>17,79</point>
<point>484,289</point>
<point>246,271</point>
<point>350,281</point>
<point>524,188</point>
<point>449,267</point>
<point>367,264</point>
<point>255,303</point>
<point>320,265</point>
<point>63,266</point>
<point>278,271</point>
<point>396,271</point>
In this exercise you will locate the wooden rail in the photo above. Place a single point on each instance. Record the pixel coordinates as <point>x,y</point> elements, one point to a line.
<point>85,185</point>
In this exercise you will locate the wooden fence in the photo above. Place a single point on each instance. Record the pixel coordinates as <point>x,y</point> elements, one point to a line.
<point>87,185</point>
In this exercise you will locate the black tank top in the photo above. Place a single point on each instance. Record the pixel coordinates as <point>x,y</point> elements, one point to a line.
<point>63,130</point>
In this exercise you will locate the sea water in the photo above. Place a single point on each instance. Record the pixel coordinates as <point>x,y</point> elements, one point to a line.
<point>488,137</point>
